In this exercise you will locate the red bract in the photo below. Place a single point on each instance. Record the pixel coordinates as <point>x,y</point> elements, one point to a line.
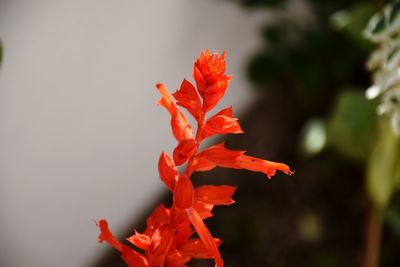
<point>166,241</point>
<point>210,77</point>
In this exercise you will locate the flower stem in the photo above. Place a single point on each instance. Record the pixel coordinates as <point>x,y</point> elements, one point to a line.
<point>373,238</point>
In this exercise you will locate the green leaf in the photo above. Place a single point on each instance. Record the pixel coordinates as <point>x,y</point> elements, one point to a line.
<point>380,25</point>
<point>351,126</point>
<point>383,166</point>
<point>394,12</point>
<point>352,21</point>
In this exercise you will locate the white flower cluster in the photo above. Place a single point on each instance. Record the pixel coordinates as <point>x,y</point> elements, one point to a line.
<point>384,30</point>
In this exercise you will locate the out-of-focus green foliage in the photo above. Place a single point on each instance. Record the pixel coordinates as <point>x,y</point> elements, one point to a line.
<point>313,137</point>
<point>392,216</point>
<point>351,127</point>
<point>352,22</point>
<point>383,168</point>
<point>384,63</point>
<point>312,58</point>
<point>318,61</point>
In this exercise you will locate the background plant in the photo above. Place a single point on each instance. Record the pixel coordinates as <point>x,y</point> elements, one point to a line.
<point>320,65</point>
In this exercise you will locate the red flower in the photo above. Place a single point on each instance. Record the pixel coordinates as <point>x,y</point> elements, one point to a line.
<point>185,149</point>
<point>179,123</point>
<point>167,241</point>
<point>130,256</point>
<point>218,155</point>
<point>188,98</point>
<point>222,123</point>
<point>167,170</point>
<point>211,81</point>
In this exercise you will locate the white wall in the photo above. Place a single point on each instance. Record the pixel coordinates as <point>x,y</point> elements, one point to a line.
<point>80,133</point>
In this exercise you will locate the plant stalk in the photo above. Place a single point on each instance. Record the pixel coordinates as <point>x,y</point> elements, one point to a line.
<point>373,238</point>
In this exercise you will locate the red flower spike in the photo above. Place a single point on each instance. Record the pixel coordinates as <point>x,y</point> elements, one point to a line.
<point>185,149</point>
<point>205,235</point>
<point>166,240</point>
<point>167,170</point>
<point>222,123</point>
<point>179,123</point>
<point>183,193</point>
<point>188,98</point>
<point>132,258</point>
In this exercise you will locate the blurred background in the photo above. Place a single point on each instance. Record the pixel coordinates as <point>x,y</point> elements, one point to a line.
<point>81,133</point>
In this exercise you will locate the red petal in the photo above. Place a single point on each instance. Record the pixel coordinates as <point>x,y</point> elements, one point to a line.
<point>132,258</point>
<point>183,234</point>
<point>142,241</point>
<point>161,241</point>
<point>223,157</point>
<point>214,92</point>
<point>183,193</point>
<point>200,81</point>
<point>185,149</point>
<point>179,219</point>
<point>200,164</point>
<point>203,209</point>
<point>161,215</point>
<point>219,156</point>
<point>259,165</point>
<point>205,235</point>
<point>106,235</point>
<point>215,195</point>
<point>188,98</point>
<point>180,126</point>
<point>167,171</point>
<point>211,66</point>
<point>179,123</point>
<point>177,259</point>
<point>222,123</point>
<point>195,248</point>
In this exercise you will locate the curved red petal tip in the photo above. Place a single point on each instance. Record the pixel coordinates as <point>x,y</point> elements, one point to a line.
<point>107,235</point>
